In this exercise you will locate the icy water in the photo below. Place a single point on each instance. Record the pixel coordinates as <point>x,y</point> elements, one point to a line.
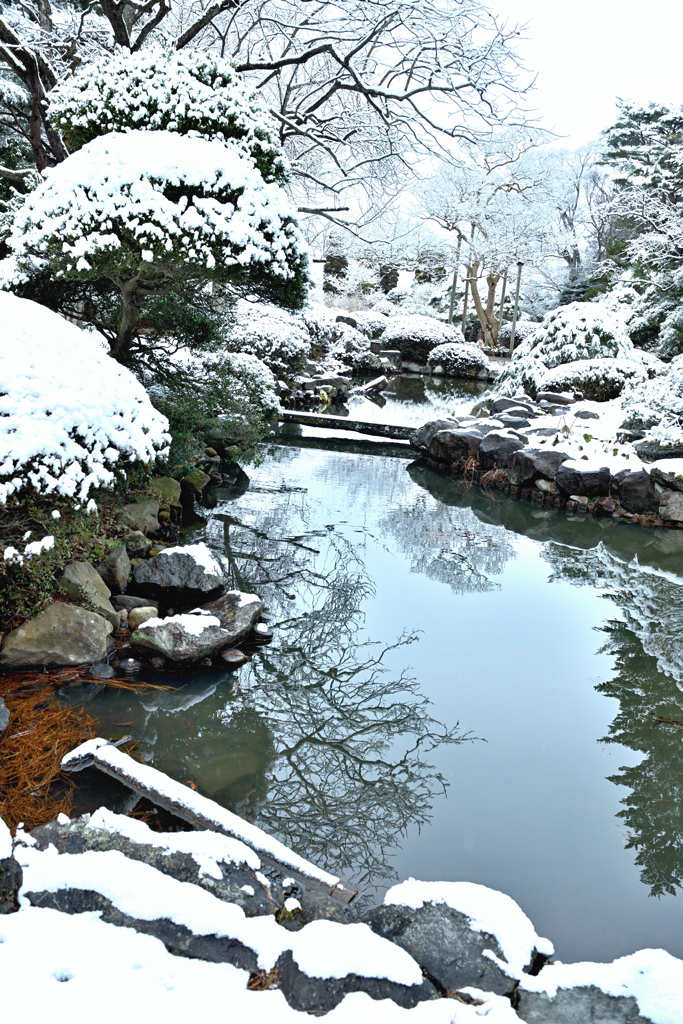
<point>460,687</point>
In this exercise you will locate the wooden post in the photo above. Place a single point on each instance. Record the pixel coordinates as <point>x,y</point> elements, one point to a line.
<point>467,285</point>
<point>455,282</point>
<point>502,300</point>
<point>514,315</point>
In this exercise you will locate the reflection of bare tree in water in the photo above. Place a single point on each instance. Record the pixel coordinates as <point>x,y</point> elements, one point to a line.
<point>647,684</point>
<point>449,545</point>
<point>346,770</point>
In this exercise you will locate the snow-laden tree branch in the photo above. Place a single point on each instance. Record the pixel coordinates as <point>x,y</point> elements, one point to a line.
<point>150,211</point>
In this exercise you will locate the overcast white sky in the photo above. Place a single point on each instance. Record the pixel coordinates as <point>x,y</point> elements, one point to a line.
<point>588,52</point>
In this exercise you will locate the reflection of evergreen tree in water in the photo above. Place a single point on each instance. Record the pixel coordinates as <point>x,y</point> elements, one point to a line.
<point>646,646</point>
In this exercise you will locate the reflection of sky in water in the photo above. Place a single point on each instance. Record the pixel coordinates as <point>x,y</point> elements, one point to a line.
<point>326,740</point>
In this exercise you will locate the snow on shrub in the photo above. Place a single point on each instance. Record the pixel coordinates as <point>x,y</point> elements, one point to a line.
<point>165,90</point>
<point>275,336</point>
<point>581,330</point>
<point>597,380</point>
<point>415,336</point>
<point>657,405</point>
<point>585,332</point>
<point>352,348</point>
<point>458,360</point>
<point>68,411</point>
<point>371,323</point>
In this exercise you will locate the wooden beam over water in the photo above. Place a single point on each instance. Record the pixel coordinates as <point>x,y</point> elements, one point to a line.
<point>325,422</point>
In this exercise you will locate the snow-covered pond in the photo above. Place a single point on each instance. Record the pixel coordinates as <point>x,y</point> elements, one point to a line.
<point>545,644</point>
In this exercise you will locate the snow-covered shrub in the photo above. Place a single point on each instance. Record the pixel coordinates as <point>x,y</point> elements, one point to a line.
<point>68,412</point>
<point>523,330</point>
<point>384,308</point>
<point>278,338</point>
<point>582,330</point>
<point>416,336</point>
<point>236,388</point>
<point>167,90</point>
<point>153,211</point>
<point>597,380</point>
<point>371,323</point>
<point>657,405</point>
<point>458,360</point>
<point>352,348</point>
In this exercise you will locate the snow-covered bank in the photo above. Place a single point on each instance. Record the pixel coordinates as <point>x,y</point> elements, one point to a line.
<point>187,921</point>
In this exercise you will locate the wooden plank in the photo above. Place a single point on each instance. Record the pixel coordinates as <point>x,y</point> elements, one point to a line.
<point>201,812</point>
<point>325,422</point>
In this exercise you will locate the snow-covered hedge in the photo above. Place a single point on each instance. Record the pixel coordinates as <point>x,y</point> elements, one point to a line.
<point>166,90</point>
<point>597,380</point>
<point>458,360</point>
<point>68,412</point>
<point>415,336</point>
<point>584,343</point>
<point>371,323</point>
<point>140,205</point>
<point>275,336</point>
<point>658,405</point>
<point>352,348</point>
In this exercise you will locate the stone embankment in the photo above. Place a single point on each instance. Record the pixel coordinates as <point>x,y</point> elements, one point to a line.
<point>526,448</point>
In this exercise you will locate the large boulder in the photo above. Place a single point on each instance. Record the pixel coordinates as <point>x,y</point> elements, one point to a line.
<point>166,489</point>
<point>529,464</point>
<point>416,336</point>
<point>62,634</point>
<point>668,473</point>
<point>456,359</point>
<point>424,434</point>
<point>188,637</point>
<point>636,492</point>
<point>141,515</point>
<point>185,576</point>
<point>461,934</point>
<point>306,992</point>
<point>115,569</point>
<point>583,478</point>
<point>236,612</point>
<point>81,582</point>
<point>580,1005</point>
<point>496,449</point>
<point>453,446</point>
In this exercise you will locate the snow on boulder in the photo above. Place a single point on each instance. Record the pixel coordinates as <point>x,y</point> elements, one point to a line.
<point>236,612</point>
<point>460,933</point>
<point>180,575</point>
<point>415,336</point>
<point>646,987</point>
<point>189,637</point>
<point>278,338</point>
<point>68,411</point>
<point>456,359</point>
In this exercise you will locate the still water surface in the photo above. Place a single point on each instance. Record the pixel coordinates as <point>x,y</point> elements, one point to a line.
<point>460,687</point>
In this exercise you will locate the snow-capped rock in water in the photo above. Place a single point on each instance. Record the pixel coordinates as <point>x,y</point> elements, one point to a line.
<point>68,411</point>
<point>180,575</point>
<point>457,359</point>
<point>188,637</point>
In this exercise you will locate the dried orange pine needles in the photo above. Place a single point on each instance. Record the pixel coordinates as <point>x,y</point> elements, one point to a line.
<point>39,734</point>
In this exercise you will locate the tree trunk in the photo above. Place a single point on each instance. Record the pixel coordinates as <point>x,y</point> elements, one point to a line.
<point>485,314</point>
<point>130,314</point>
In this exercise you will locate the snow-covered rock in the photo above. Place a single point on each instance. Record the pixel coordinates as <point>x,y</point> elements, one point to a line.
<point>415,336</point>
<point>456,359</point>
<point>68,412</point>
<point>181,575</point>
<point>188,637</point>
